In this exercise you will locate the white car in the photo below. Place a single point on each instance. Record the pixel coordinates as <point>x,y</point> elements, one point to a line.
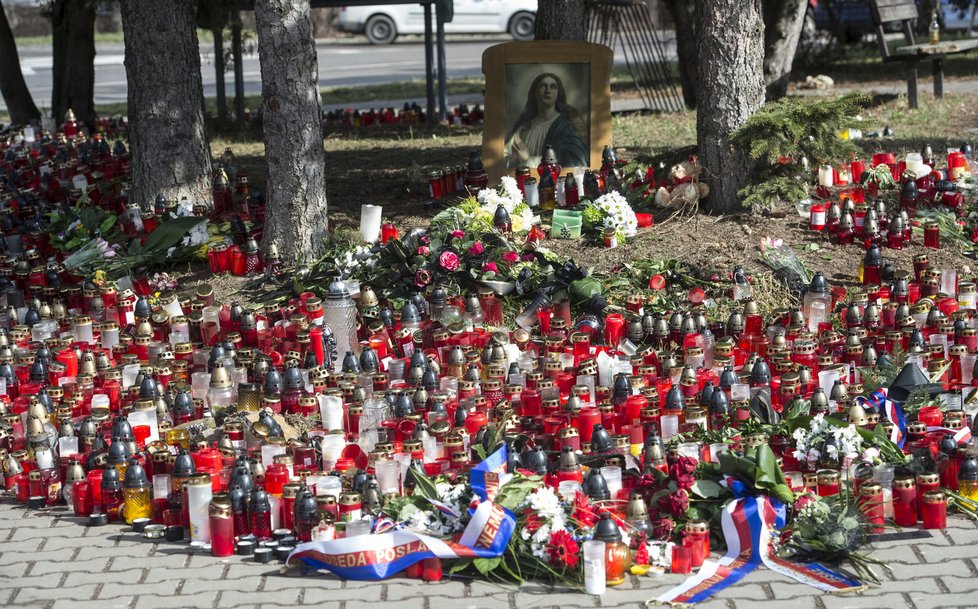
<point>383,23</point>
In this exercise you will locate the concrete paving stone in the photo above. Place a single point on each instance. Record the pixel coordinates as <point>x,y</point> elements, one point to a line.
<point>122,602</point>
<point>289,582</point>
<point>122,576</point>
<point>51,592</point>
<point>961,584</point>
<point>417,602</point>
<point>450,589</point>
<point>927,585</point>
<point>941,601</point>
<point>314,596</point>
<point>947,566</point>
<point>746,589</point>
<point>480,587</point>
<point>127,554</point>
<point>247,568</point>
<point>152,601</point>
<point>484,602</point>
<point>95,565</point>
<point>114,590</point>
<point>244,584</point>
<point>355,597</point>
<point>200,573</point>
<point>14,570</point>
<point>157,561</point>
<point>889,600</point>
<point>22,554</point>
<point>233,598</point>
<point>27,533</point>
<point>526,601</point>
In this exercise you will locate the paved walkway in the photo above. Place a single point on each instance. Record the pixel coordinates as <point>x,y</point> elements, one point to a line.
<point>50,561</point>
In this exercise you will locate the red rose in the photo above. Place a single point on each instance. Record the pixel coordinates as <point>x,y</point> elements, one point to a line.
<point>511,256</point>
<point>662,528</point>
<point>476,248</point>
<point>490,267</point>
<point>448,260</point>
<point>675,504</point>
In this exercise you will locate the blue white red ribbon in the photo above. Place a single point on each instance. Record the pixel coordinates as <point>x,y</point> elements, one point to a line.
<point>375,557</point>
<point>894,414</point>
<point>490,474</point>
<point>747,525</point>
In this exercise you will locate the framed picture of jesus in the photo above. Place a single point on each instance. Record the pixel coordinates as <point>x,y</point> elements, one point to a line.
<point>546,93</point>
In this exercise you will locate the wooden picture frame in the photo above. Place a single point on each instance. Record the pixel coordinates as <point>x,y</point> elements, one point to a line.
<point>581,74</point>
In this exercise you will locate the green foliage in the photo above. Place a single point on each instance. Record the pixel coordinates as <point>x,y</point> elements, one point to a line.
<point>781,133</point>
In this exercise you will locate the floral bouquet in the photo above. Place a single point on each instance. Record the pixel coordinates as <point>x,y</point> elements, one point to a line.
<point>611,211</point>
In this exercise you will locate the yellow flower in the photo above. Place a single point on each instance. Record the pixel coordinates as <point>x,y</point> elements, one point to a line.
<point>99,277</point>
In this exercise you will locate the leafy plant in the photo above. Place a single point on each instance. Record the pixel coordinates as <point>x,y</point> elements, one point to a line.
<point>783,133</point>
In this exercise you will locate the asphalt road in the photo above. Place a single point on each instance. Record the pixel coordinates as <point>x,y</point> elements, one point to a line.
<point>339,64</point>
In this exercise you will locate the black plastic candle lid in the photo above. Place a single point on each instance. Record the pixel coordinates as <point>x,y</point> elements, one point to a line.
<point>246,547</point>
<point>36,502</point>
<point>271,545</point>
<point>278,534</point>
<point>282,552</point>
<point>263,555</point>
<point>287,541</point>
<point>174,533</point>
<point>98,519</point>
<point>139,524</point>
<point>153,531</point>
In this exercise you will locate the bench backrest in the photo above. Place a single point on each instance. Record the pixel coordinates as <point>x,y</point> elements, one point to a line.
<point>890,11</point>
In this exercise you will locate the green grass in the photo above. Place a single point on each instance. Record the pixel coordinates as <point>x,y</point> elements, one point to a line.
<point>203,36</point>
<point>363,95</point>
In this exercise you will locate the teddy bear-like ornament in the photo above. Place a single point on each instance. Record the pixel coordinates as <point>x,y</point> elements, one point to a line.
<point>684,188</point>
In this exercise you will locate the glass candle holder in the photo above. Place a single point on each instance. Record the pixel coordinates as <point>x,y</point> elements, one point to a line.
<point>934,510</point>
<point>828,482</point>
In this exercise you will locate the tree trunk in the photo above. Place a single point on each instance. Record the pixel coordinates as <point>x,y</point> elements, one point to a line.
<point>783,21</point>
<point>684,17</point>
<point>296,221</point>
<point>239,104</point>
<point>730,81</point>
<point>168,145</point>
<point>73,52</point>
<point>560,20</point>
<point>20,104</point>
<point>222,100</point>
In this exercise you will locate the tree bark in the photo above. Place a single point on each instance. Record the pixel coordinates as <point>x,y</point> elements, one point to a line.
<point>222,99</point>
<point>560,20</point>
<point>684,17</point>
<point>73,54</point>
<point>168,144</point>
<point>20,104</point>
<point>783,21</point>
<point>239,103</point>
<point>296,221</point>
<point>730,81</point>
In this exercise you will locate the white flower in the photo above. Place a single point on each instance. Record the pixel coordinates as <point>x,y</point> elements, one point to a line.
<point>618,213</point>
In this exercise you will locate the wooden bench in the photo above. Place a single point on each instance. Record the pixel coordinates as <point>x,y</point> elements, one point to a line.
<point>904,13</point>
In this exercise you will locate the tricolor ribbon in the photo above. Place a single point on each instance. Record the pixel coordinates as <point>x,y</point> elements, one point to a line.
<point>961,436</point>
<point>747,524</point>
<point>376,557</point>
<point>490,474</point>
<point>894,414</point>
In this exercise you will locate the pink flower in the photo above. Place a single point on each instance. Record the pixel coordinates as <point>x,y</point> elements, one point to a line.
<point>448,260</point>
<point>458,234</point>
<point>476,248</point>
<point>422,278</point>
<point>528,257</point>
<point>424,250</point>
<point>511,256</point>
<point>490,267</point>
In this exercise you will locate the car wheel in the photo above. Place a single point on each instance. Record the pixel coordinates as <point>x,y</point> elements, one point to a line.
<point>521,26</point>
<point>380,29</point>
